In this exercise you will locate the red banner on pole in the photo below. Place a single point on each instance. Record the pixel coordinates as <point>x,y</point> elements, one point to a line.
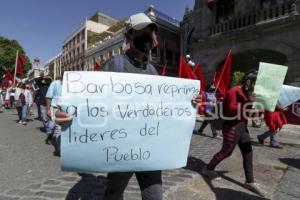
<point>292,115</point>
<point>222,77</point>
<point>21,61</point>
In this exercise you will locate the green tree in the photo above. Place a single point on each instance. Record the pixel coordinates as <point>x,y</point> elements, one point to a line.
<point>8,50</point>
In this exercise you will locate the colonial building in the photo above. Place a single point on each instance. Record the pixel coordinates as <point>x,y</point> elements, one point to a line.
<point>34,72</point>
<point>168,50</point>
<point>260,30</point>
<point>81,38</point>
<point>53,67</point>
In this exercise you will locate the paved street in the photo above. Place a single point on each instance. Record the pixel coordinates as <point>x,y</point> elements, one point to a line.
<point>30,171</point>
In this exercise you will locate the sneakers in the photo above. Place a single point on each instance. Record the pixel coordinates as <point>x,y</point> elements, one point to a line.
<point>256,125</point>
<point>254,187</point>
<point>260,141</point>
<point>24,123</point>
<point>211,174</point>
<point>19,122</point>
<point>200,132</point>
<point>49,139</point>
<point>275,145</point>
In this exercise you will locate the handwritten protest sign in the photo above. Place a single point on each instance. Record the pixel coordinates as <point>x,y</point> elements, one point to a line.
<point>126,122</point>
<point>288,95</point>
<point>268,85</point>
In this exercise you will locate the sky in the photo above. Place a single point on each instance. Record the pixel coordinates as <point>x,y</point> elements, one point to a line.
<point>40,26</point>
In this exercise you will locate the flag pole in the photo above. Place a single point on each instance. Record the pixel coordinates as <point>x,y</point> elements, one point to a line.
<point>16,63</point>
<point>222,71</point>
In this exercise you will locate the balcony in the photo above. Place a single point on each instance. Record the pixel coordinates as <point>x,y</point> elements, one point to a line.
<point>164,17</point>
<point>274,12</point>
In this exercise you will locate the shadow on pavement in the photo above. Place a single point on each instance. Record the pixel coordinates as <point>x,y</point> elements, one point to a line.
<point>42,129</point>
<point>226,193</point>
<point>291,162</point>
<point>89,187</point>
<point>196,165</point>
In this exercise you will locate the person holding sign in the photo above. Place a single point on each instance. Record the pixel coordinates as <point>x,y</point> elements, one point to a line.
<point>235,129</point>
<point>140,38</point>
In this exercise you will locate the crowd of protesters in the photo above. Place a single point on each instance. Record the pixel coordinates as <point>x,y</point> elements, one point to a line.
<point>140,38</point>
<point>21,97</point>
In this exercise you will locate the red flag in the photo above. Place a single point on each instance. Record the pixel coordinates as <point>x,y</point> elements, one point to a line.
<point>292,115</point>
<point>164,70</point>
<point>185,71</point>
<point>222,77</point>
<point>97,66</point>
<point>21,61</point>
<point>200,76</point>
<point>9,75</point>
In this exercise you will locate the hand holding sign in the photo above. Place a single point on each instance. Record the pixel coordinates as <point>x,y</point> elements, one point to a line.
<point>62,117</point>
<point>127,122</point>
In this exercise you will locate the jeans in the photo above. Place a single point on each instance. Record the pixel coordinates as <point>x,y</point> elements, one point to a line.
<point>19,110</point>
<point>48,123</point>
<point>39,110</point>
<point>149,182</point>
<point>24,112</point>
<point>12,101</point>
<point>205,123</point>
<point>57,135</point>
<point>273,136</point>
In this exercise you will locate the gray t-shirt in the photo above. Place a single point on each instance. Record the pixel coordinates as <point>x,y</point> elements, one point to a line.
<point>121,63</point>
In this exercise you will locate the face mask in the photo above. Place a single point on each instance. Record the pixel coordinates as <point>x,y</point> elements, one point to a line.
<point>143,43</point>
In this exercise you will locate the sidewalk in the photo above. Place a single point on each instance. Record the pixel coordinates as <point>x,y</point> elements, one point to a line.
<point>289,186</point>
<point>29,171</point>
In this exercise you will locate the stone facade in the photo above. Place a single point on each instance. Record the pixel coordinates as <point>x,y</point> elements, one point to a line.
<point>53,67</point>
<point>75,45</point>
<point>265,30</point>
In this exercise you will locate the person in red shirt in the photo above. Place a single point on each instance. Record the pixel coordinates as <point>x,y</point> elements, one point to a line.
<point>236,104</point>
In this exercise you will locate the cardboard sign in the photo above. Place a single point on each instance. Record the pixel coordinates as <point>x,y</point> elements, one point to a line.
<point>268,85</point>
<point>288,95</point>
<point>126,122</point>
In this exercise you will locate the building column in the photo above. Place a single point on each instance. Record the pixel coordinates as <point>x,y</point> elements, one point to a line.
<point>165,55</point>
<point>173,58</point>
<point>293,68</point>
<point>158,55</point>
<point>54,70</point>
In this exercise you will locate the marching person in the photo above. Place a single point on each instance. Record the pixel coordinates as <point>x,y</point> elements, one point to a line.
<point>42,84</point>
<point>140,39</point>
<point>53,94</point>
<point>235,130</point>
<point>12,92</point>
<point>25,99</point>
<point>275,121</point>
<point>209,111</point>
